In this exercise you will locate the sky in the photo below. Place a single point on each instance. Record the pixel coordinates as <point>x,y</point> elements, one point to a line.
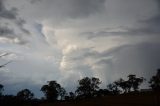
<point>66,40</point>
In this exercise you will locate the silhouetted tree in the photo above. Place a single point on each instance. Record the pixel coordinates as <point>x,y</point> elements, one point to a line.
<point>124,85</point>
<point>132,83</point>
<point>113,88</point>
<point>103,92</point>
<point>62,93</point>
<point>1,89</point>
<point>71,96</point>
<point>52,90</point>
<point>87,87</point>
<point>155,81</point>
<point>25,95</point>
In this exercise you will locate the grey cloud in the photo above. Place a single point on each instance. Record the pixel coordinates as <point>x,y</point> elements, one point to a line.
<point>107,64</point>
<point>76,61</point>
<point>9,14</point>
<point>11,17</point>
<point>143,31</point>
<point>20,23</point>
<point>153,24</point>
<point>145,27</point>
<point>39,28</point>
<point>9,33</point>
<point>83,8</point>
<point>6,32</point>
<point>66,9</point>
<point>16,87</point>
<point>141,59</point>
<point>34,1</point>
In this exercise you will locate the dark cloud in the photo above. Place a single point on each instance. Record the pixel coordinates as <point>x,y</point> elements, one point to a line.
<point>71,8</point>
<point>83,8</point>
<point>20,23</point>
<point>150,26</point>
<point>7,14</point>
<point>140,59</point>
<point>34,1</point>
<point>6,32</point>
<point>108,59</point>
<point>143,31</point>
<point>16,87</point>
<point>11,17</point>
<point>39,28</point>
<point>10,34</point>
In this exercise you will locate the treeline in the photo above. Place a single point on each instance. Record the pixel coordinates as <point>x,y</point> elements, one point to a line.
<point>87,88</point>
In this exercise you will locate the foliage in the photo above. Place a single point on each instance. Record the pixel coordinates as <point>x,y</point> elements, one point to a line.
<point>155,81</point>
<point>70,97</point>
<point>113,88</point>
<point>103,92</point>
<point>25,94</point>
<point>62,93</point>
<point>53,90</point>
<point>88,86</point>
<point>132,83</point>
<point>1,89</point>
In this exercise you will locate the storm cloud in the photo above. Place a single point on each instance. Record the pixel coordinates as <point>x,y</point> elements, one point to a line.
<point>66,40</point>
<point>9,14</point>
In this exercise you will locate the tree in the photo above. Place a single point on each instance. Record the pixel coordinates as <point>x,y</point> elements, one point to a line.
<point>155,81</point>
<point>25,94</point>
<point>113,88</point>
<point>62,93</point>
<point>124,85</point>
<point>52,90</point>
<point>132,83</point>
<point>88,86</point>
<point>1,89</point>
<point>103,92</point>
<point>71,96</point>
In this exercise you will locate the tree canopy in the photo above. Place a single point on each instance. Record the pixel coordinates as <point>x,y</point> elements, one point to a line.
<point>25,94</point>
<point>88,86</point>
<point>155,81</point>
<point>132,83</point>
<point>1,89</point>
<point>53,90</point>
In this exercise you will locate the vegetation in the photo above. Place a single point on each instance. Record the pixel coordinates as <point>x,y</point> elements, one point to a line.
<point>1,89</point>
<point>155,81</point>
<point>53,90</point>
<point>87,88</point>
<point>25,95</point>
<point>132,83</point>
